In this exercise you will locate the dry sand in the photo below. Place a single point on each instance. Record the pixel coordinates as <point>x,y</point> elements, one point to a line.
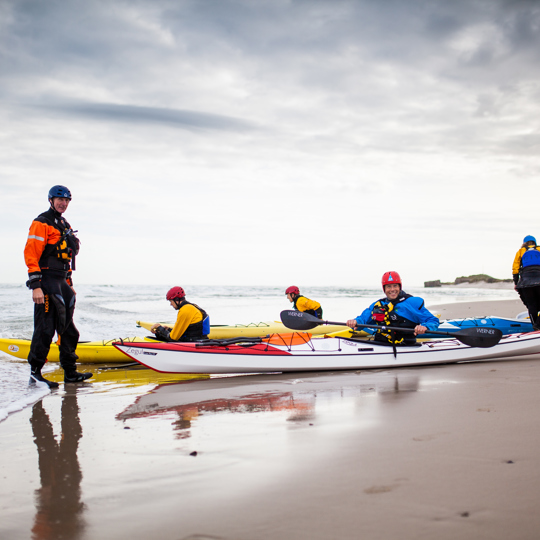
<point>495,308</point>
<point>439,452</point>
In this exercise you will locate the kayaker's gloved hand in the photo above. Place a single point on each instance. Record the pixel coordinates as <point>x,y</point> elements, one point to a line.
<point>162,333</point>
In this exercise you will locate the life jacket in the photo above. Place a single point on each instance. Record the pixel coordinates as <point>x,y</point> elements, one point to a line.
<point>529,268</point>
<point>58,256</point>
<point>198,330</point>
<point>317,312</point>
<point>531,257</point>
<point>385,314</point>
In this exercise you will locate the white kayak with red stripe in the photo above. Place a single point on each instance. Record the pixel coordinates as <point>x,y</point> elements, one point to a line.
<point>300,352</point>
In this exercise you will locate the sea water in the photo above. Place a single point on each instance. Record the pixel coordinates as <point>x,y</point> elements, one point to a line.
<point>111,311</point>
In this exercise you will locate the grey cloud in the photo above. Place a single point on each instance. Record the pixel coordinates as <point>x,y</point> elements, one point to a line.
<point>302,65</point>
<point>147,115</point>
<point>526,144</point>
<point>282,42</point>
<point>75,30</point>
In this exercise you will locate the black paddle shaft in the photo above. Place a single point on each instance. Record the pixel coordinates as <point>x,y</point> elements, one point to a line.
<point>474,336</point>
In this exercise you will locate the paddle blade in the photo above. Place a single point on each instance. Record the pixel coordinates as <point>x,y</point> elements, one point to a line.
<point>479,337</point>
<point>297,320</point>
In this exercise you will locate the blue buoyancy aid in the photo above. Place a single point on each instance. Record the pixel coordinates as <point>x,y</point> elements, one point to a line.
<point>531,257</point>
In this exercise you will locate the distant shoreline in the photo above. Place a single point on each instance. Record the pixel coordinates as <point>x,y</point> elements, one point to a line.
<point>481,281</point>
<point>477,285</point>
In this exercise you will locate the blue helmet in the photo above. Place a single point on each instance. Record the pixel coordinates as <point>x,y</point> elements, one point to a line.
<point>59,191</point>
<point>529,238</point>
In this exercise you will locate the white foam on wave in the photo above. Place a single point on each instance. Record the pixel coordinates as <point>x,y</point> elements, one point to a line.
<point>15,392</point>
<point>39,391</point>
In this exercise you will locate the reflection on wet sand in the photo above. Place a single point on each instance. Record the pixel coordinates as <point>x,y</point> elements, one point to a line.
<point>301,409</point>
<point>58,501</point>
<point>263,393</point>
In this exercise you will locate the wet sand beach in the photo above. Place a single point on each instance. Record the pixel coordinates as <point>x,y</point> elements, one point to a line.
<point>434,452</point>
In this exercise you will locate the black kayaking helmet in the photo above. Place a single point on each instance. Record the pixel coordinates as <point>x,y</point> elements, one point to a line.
<point>59,191</point>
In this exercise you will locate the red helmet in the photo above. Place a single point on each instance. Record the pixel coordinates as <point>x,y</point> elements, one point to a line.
<point>292,290</point>
<point>391,277</point>
<point>176,292</point>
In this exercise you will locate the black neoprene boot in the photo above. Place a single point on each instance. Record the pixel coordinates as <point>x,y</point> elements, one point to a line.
<point>36,376</point>
<point>75,376</point>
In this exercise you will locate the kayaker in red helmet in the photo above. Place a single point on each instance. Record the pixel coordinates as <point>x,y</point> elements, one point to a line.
<point>192,322</point>
<point>301,303</point>
<point>397,309</point>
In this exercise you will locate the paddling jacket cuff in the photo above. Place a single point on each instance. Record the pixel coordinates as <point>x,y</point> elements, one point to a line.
<point>516,278</point>
<point>34,281</point>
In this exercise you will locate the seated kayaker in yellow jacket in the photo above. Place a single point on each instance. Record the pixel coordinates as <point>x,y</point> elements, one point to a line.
<point>301,303</point>
<point>192,322</point>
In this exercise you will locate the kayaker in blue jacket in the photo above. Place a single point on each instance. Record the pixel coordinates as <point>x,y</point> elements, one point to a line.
<point>397,309</point>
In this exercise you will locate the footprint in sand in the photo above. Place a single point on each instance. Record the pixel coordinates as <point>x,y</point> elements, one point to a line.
<point>373,490</point>
<point>378,489</point>
<point>429,437</point>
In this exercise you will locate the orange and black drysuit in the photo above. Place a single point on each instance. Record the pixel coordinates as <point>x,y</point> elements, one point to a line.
<point>49,253</point>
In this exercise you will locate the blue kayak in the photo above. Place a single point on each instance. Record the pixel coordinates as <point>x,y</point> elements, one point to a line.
<point>506,326</point>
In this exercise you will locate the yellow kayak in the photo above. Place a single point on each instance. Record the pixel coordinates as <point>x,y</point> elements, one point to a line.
<point>103,352</point>
<point>254,329</point>
<point>89,352</point>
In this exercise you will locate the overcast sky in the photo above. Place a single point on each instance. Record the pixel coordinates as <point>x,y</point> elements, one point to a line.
<point>273,142</point>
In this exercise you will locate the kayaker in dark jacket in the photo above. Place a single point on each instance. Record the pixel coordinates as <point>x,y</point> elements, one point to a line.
<point>526,274</point>
<point>398,309</point>
<point>50,253</point>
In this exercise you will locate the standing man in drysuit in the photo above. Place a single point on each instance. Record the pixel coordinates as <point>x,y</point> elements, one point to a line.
<point>397,309</point>
<point>192,322</point>
<point>301,303</point>
<point>50,257</point>
<point>526,274</point>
